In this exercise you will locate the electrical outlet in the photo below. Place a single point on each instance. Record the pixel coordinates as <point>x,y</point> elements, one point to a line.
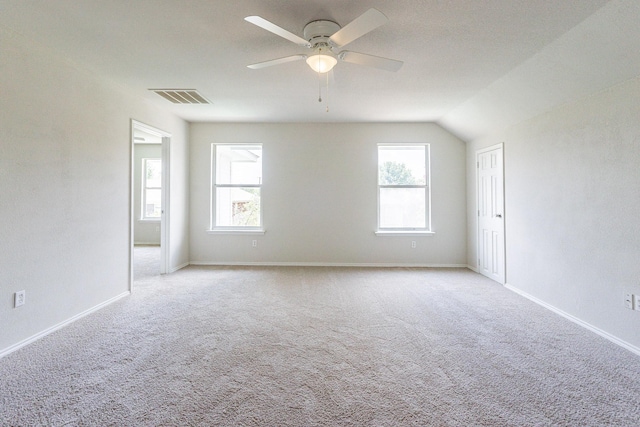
<point>254,243</point>
<point>413,244</point>
<point>19,299</point>
<point>636,302</point>
<point>628,301</point>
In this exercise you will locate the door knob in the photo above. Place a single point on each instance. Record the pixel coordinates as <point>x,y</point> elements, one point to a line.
<point>498,216</point>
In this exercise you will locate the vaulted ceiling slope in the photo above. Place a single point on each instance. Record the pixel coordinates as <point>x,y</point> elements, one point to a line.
<point>471,65</point>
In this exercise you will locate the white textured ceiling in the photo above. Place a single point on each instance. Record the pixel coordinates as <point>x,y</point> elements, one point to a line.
<point>471,65</point>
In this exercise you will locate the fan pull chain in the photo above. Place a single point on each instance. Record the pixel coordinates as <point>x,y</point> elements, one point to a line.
<point>319,78</point>
<point>319,87</point>
<point>327,96</point>
<point>320,83</point>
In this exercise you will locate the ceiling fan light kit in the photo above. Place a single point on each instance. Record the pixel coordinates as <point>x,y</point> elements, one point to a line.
<point>318,33</point>
<point>321,62</point>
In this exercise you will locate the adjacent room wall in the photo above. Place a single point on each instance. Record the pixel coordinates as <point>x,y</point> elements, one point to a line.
<point>65,171</point>
<point>572,193</point>
<point>319,196</point>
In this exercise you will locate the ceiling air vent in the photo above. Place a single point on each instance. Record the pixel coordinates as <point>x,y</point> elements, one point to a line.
<point>182,96</point>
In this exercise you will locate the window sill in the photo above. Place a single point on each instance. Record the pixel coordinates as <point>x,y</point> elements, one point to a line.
<point>385,233</point>
<point>236,231</point>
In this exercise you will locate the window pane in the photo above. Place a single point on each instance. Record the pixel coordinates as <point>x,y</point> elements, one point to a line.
<point>238,164</point>
<point>402,208</point>
<point>402,165</point>
<point>153,173</point>
<point>152,203</point>
<point>238,207</point>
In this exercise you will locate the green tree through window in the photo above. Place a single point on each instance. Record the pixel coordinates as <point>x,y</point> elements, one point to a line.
<point>396,173</point>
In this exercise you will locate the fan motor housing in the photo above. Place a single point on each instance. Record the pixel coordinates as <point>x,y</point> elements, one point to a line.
<point>319,31</point>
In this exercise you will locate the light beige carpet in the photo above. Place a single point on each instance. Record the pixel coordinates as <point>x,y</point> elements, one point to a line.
<point>288,346</point>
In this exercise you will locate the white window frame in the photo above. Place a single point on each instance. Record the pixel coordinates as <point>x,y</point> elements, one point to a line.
<point>145,187</point>
<point>220,229</point>
<point>407,231</point>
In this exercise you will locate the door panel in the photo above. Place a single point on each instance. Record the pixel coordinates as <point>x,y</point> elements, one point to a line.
<point>490,196</point>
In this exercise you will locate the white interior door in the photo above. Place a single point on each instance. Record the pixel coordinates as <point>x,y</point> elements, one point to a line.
<point>491,251</point>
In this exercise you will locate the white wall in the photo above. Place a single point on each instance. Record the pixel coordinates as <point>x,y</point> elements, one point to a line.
<point>178,170</point>
<point>65,165</point>
<point>572,193</point>
<point>319,196</point>
<point>145,232</point>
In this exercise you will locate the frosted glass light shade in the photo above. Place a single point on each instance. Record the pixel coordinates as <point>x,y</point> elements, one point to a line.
<point>321,63</point>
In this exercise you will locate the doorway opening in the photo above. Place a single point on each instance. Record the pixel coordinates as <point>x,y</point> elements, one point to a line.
<point>149,214</point>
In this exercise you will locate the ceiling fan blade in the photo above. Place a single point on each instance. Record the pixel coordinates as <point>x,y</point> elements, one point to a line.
<point>263,23</point>
<point>276,61</point>
<point>370,60</point>
<point>360,26</point>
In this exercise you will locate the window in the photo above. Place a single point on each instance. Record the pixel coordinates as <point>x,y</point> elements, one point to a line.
<point>403,188</point>
<point>151,189</point>
<point>237,181</point>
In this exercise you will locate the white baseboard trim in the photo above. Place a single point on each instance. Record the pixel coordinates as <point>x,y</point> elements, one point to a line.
<point>180,267</point>
<point>60,325</point>
<point>325,264</point>
<point>632,348</point>
<point>472,268</point>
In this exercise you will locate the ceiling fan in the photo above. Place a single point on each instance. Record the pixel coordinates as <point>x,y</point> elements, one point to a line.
<point>325,38</point>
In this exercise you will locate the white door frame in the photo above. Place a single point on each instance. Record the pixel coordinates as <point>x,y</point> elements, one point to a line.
<point>503,265</point>
<point>165,265</point>
<point>165,260</point>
